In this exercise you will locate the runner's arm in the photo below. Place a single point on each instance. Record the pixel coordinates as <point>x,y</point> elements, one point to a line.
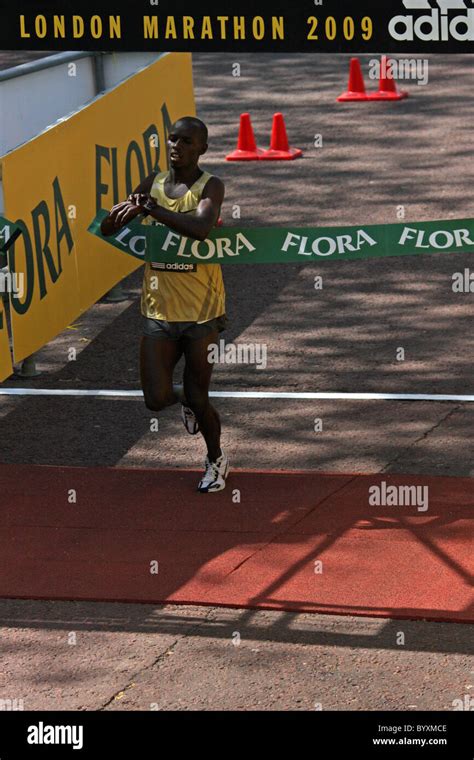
<point>109,225</point>
<point>196,226</point>
<point>199,225</point>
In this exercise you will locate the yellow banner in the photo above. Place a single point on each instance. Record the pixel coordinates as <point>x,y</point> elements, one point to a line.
<point>56,183</point>
<point>6,367</point>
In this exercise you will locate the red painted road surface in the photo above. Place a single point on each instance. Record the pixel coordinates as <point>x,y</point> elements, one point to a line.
<point>305,542</point>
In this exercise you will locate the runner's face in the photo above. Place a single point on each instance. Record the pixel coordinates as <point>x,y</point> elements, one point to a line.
<point>185,146</point>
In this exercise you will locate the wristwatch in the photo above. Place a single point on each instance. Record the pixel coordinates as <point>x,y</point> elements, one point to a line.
<point>150,205</point>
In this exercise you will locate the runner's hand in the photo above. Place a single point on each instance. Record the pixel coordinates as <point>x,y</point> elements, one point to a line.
<point>125,214</point>
<point>122,212</point>
<point>118,207</point>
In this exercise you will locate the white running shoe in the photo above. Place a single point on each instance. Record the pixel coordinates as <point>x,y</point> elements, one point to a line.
<point>189,420</point>
<point>215,475</point>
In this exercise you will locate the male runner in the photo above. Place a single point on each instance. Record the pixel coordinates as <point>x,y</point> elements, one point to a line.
<point>183,312</point>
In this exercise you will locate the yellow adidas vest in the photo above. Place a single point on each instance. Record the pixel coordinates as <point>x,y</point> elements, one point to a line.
<point>182,296</point>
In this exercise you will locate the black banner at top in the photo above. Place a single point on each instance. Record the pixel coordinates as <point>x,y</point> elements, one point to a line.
<point>311,26</point>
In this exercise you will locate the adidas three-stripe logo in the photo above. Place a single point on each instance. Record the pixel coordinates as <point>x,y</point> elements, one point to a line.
<point>425,5</point>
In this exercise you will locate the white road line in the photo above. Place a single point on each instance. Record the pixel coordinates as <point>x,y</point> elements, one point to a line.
<point>243,394</point>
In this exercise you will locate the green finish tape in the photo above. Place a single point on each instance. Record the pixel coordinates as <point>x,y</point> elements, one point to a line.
<point>279,245</point>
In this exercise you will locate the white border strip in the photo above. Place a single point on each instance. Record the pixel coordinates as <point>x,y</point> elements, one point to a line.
<point>242,394</point>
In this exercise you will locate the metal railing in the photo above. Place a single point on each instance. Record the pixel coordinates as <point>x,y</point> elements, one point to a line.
<point>59,59</point>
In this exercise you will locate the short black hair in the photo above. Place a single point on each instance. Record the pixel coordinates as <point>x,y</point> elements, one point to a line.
<point>196,123</point>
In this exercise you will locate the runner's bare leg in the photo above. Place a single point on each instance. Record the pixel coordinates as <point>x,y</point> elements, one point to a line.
<point>158,358</point>
<point>196,381</point>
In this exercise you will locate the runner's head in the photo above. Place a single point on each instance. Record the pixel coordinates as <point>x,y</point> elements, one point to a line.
<point>187,141</point>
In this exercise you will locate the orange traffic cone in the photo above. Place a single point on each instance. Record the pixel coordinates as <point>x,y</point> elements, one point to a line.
<point>279,148</point>
<point>356,87</point>
<point>246,147</point>
<point>387,85</point>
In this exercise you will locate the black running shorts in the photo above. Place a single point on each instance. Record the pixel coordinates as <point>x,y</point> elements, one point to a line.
<point>159,328</point>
